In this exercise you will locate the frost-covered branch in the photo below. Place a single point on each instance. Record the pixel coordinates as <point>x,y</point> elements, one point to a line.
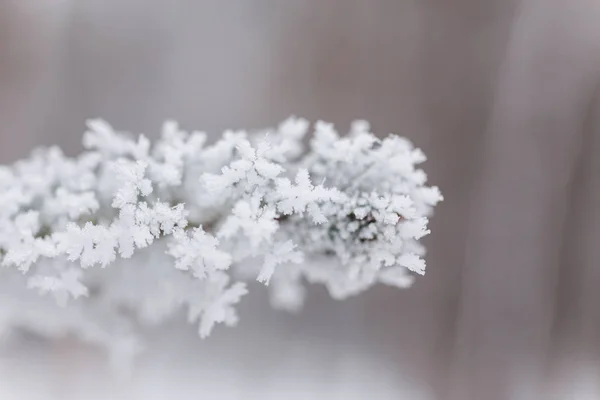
<point>179,224</point>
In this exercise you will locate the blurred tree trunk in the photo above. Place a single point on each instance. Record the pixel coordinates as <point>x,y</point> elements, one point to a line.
<point>523,200</point>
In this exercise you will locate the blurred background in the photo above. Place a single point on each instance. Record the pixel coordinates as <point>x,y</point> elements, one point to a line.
<point>500,94</point>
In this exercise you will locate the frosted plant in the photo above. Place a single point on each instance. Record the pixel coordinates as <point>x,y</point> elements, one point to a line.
<point>130,233</point>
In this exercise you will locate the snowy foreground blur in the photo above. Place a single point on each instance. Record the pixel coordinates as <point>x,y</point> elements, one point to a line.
<point>179,366</point>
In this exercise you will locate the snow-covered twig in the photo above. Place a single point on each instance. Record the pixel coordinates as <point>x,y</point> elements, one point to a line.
<point>153,228</point>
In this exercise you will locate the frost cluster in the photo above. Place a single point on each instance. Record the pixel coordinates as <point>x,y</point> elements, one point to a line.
<point>132,232</point>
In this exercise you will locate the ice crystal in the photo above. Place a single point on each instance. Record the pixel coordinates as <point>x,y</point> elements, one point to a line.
<point>178,224</point>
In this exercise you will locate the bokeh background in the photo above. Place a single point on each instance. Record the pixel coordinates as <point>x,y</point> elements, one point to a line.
<point>500,94</point>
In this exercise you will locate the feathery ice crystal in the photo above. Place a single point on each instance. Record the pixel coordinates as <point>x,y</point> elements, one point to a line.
<point>131,232</point>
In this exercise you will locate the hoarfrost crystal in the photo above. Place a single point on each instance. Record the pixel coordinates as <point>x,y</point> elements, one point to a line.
<point>129,232</point>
